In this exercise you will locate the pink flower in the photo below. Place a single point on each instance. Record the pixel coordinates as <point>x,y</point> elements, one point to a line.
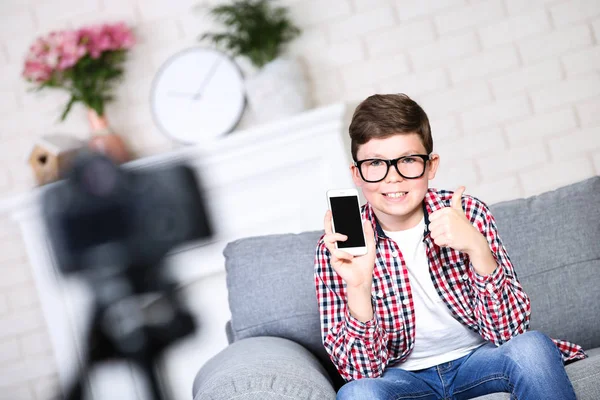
<point>57,51</point>
<point>88,37</point>
<point>38,47</point>
<point>37,72</point>
<point>101,38</point>
<point>70,50</point>
<point>52,59</point>
<point>122,36</point>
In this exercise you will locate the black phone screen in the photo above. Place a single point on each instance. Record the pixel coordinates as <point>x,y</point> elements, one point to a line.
<point>347,220</point>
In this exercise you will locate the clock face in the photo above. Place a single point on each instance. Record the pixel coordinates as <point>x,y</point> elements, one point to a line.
<point>198,95</point>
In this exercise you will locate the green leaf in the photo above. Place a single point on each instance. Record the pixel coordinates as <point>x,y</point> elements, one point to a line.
<point>254,29</point>
<point>72,101</point>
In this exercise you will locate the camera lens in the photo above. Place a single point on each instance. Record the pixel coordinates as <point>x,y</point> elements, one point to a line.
<point>98,177</point>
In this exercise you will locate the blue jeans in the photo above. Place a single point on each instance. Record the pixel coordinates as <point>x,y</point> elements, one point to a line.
<point>529,367</point>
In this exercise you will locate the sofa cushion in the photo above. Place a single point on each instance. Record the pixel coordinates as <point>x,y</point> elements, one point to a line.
<point>553,241</point>
<point>271,290</point>
<point>263,368</point>
<point>270,286</point>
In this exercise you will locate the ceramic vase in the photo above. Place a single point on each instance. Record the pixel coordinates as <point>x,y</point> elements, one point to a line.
<point>104,140</point>
<point>278,90</point>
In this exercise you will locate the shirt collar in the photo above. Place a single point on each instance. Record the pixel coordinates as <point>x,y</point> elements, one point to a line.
<point>432,202</point>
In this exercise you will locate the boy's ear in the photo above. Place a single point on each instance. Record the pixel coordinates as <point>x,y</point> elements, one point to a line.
<point>434,163</point>
<point>356,176</point>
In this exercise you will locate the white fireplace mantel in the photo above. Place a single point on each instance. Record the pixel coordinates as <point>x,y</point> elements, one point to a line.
<point>262,180</point>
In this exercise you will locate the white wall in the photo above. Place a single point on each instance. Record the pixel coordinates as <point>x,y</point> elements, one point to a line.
<point>512,89</point>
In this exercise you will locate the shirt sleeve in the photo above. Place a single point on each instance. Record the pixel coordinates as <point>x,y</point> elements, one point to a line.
<point>357,349</point>
<point>502,308</point>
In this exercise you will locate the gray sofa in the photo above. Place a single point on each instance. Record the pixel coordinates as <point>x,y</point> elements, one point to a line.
<point>275,349</point>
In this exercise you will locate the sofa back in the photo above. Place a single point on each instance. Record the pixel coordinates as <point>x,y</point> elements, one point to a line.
<point>553,240</point>
<point>271,290</point>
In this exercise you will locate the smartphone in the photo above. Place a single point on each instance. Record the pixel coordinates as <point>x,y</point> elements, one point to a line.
<point>347,220</point>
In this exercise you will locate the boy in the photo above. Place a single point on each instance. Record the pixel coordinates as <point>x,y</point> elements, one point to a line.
<point>434,310</point>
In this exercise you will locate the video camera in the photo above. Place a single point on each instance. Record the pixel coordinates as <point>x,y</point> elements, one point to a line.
<point>114,226</point>
<point>139,216</point>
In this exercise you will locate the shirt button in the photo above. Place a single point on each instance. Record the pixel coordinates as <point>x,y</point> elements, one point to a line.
<point>406,302</point>
<point>465,277</point>
<point>394,253</point>
<point>489,287</point>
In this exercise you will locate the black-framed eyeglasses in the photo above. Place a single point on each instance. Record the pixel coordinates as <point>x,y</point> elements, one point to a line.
<point>409,167</point>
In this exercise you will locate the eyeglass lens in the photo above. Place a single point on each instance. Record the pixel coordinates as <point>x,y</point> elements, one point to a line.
<point>376,170</point>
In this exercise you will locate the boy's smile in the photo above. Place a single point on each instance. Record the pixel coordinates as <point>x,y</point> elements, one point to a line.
<point>397,201</point>
<point>399,196</point>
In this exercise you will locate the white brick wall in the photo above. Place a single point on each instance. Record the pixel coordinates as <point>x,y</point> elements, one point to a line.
<point>564,40</point>
<point>399,37</point>
<point>576,11</point>
<point>4,308</point>
<point>483,64</point>
<point>410,9</point>
<point>495,113</point>
<point>354,75</point>
<point>512,161</point>
<point>566,92</point>
<point>574,144</point>
<point>562,172</point>
<point>586,60</point>
<point>541,126</point>
<point>596,160</point>
<point>443,50</point>
<point>456,99</point>
<point>527,77</point>
<point>588,112</point>
<point>477,14</point>
<point>363,23</point>
<point>418,83</point>
<point>512,89</point>
<point>514,28</point>
<point>314,12</point>
<point>596,28</point>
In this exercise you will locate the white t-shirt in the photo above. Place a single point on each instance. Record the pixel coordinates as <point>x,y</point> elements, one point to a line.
<point>439,337</point>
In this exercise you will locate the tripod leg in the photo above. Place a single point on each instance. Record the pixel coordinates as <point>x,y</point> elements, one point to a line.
<point>153,381</point>
<point>75,392</point>
<point>98,348</point>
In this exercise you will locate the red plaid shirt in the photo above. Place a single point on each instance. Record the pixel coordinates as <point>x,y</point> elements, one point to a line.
<point>495,306</point>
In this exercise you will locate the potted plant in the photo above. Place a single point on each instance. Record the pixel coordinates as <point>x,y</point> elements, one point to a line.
<point>258,31</point>
<point>86,62</point>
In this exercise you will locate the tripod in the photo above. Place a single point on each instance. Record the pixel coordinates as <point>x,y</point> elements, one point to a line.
<point>114,226</point>
<point>121,328</point>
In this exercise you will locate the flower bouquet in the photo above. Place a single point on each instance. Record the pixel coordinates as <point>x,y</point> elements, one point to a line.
<point>86,62</point>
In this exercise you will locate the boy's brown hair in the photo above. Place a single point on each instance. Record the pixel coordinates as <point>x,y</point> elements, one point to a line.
<point>383,115</point>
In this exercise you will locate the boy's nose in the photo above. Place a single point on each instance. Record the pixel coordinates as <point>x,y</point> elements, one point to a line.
<point>393,175</point>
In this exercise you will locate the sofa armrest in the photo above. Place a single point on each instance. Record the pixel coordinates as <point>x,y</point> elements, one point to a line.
<point>263,368</point>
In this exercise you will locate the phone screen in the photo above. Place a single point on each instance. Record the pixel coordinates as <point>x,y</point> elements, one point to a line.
<point>347,221</point>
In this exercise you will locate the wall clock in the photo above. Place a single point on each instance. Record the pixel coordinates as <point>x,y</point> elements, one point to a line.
<point>197,95</point>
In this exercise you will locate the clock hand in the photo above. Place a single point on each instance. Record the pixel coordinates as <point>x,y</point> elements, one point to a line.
<point>212,71</point>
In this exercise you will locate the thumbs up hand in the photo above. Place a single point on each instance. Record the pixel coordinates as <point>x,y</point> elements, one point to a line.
<point>450,227</point>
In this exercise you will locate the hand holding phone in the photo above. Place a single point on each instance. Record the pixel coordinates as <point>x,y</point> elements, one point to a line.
<point>347,220</point>
<point>349,240</point>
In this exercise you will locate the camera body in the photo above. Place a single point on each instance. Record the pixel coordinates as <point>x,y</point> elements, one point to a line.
<point>103,215</point>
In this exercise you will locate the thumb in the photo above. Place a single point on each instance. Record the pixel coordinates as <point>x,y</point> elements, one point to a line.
<point>457,198</point>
